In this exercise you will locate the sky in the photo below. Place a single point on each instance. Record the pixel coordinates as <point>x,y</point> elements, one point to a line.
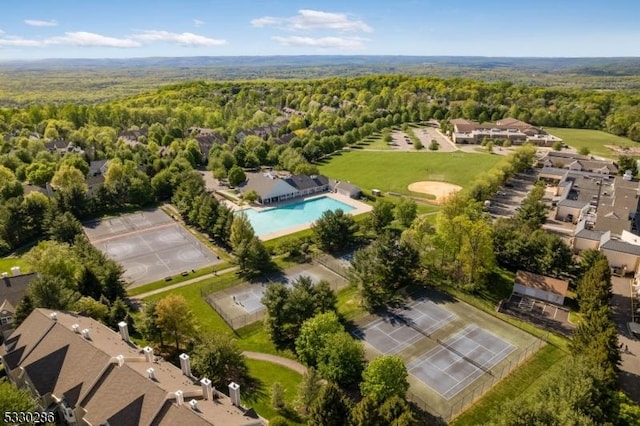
<point>37,29</point>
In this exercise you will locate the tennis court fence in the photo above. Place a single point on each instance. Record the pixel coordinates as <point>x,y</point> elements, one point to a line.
<point>486,382</point>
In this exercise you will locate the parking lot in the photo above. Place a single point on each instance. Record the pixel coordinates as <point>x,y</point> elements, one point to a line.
<point>508,199</point>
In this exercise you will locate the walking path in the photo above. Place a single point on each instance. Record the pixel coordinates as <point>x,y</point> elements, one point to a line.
<point>285,362</point>
<point>184,283</point>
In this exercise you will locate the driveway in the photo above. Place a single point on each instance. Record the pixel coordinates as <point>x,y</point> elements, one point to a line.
<point>630,368</point>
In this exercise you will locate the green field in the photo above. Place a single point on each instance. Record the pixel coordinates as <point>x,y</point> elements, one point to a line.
<point>268,374</point>
<point>394,171</point>
<point>595,140</point>
<point>6,263</point>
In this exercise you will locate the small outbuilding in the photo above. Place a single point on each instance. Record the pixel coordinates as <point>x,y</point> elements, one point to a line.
<point>347,189</point>
<point>541,287</point>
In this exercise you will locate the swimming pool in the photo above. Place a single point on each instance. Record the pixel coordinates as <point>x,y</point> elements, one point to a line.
<point>293,214</point>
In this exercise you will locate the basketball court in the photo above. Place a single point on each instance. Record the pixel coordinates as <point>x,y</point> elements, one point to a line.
<point>149,245</point>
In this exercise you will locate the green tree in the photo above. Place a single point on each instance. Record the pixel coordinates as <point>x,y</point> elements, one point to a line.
<point>331,408</point>
<point>63,227</point>
<point>236,176</point>
<point>308,390</point>
<point>91,307</point>
<point>584,151</point>
<point>395,411</point>
<point>341,359</point>
<point>9,184</point>
<point>175,318</point>
<point>382,215</point>
<point>13,399</point>
<point>147,324</point>
<point>67,177</point>
<point>434,145</point>
<point>219,358</point>
<point>52,292</point>
<point>250,196</point>
<point>334,230</point>
<point>627,163</point>
<point>557,146</point>
<point>384,377</point>
<point>277,396</point>
<point>311,341</point>
<point>406,211</point>
<point>533,211</point>
<point>366,413</point>
<point>251,255</point>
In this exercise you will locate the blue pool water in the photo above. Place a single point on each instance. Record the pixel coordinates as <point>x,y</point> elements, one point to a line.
<point>288,215</point>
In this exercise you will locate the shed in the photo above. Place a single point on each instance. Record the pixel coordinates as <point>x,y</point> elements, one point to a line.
<point>348,189</point>
<point>541,287</point>
<point>376,192</point>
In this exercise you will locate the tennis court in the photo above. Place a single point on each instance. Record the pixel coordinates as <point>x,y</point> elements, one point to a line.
<point>149,245</point>
<point>393,333</point>
<point>458,361</point>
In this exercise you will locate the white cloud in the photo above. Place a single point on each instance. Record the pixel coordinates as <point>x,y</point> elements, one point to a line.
<point>198,23</point>
<point>85,39</point>
<point>308,19</point>
<point>20,42</point>
<point>350,43</point>
<point>184,39</point>
<point>39,23</point>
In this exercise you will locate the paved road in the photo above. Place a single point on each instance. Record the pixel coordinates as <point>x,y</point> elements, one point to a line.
<point>184,283</point>
<point>285,362</point>
<point>630,368</point>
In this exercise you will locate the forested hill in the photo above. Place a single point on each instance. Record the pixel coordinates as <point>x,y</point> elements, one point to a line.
<point>96,80</point>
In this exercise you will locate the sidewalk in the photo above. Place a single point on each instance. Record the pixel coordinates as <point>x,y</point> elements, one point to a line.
<point>184,283</point>
<point>285,362</point>
<point>630,366</point>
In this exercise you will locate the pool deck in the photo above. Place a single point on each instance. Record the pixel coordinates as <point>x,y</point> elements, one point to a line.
<point>359,208</point>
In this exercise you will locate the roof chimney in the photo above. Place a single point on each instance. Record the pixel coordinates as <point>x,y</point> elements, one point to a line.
<point>120,359</point>
<point>185,365</point>
<point>179,397</point>
<point>193,404</point>
<point>15,270</point>
<point>5,275</point>
<point>207,390</point>
<point>124,330</point>
<point>234,393</point>
<point>53,316</point>
<point>75,328</point>
<point>85,333</point>
<point>148,354</point>
<point>151,373</point>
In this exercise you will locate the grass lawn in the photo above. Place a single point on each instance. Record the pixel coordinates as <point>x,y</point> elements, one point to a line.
<point>373,142</point>
<point>595,140</point>
<point>176,279</point>
<point>6,263</point>
<point>520,382</point>
<point>268,374</point>
<point>394,171</point>
<point>208,319</point>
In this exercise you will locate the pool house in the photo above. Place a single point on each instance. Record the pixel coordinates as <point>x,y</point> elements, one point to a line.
<point>273,189</point>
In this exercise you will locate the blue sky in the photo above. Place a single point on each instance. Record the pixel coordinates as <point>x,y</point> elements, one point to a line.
<point>32,29</point>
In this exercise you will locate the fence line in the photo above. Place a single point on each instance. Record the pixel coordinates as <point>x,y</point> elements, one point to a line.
<point>470,396</point>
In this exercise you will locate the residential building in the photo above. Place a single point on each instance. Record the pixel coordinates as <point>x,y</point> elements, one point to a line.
<point>12,289</point>
<point>345,188</point>
<point>90,375</point>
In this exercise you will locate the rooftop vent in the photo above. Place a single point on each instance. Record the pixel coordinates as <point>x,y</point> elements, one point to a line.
<point>179,397</point>
<point>193,404</point>
<point>15,270</point>
<point>52,315</point>
<point>207,390</point>
<point>185,365</point>
<point>124,330</point>
<point>85,333</point>
<point>148,354</point>
<point>151,373</point>
<point>75,328</point>
<point>5,275</point>
<point>234,393</point>
<point>120,360</point>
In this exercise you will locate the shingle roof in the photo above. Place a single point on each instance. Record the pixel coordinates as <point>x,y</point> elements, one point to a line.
<point>621,246</point>
<point>541,282</point>
<point>588,234</point>
<point>573,203</point>
<point>13,288</point>
<point>84,372</point>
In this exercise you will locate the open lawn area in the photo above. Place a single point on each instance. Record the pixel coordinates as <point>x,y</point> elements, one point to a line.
<point>394,171</point>
<point>595,140</point>
<point>268,374</point>
<point>6,263</point>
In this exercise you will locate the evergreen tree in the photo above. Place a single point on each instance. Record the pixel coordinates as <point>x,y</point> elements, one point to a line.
<point>331,408</point>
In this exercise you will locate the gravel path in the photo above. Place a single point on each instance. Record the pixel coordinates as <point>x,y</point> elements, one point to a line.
<point>285,362</point>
